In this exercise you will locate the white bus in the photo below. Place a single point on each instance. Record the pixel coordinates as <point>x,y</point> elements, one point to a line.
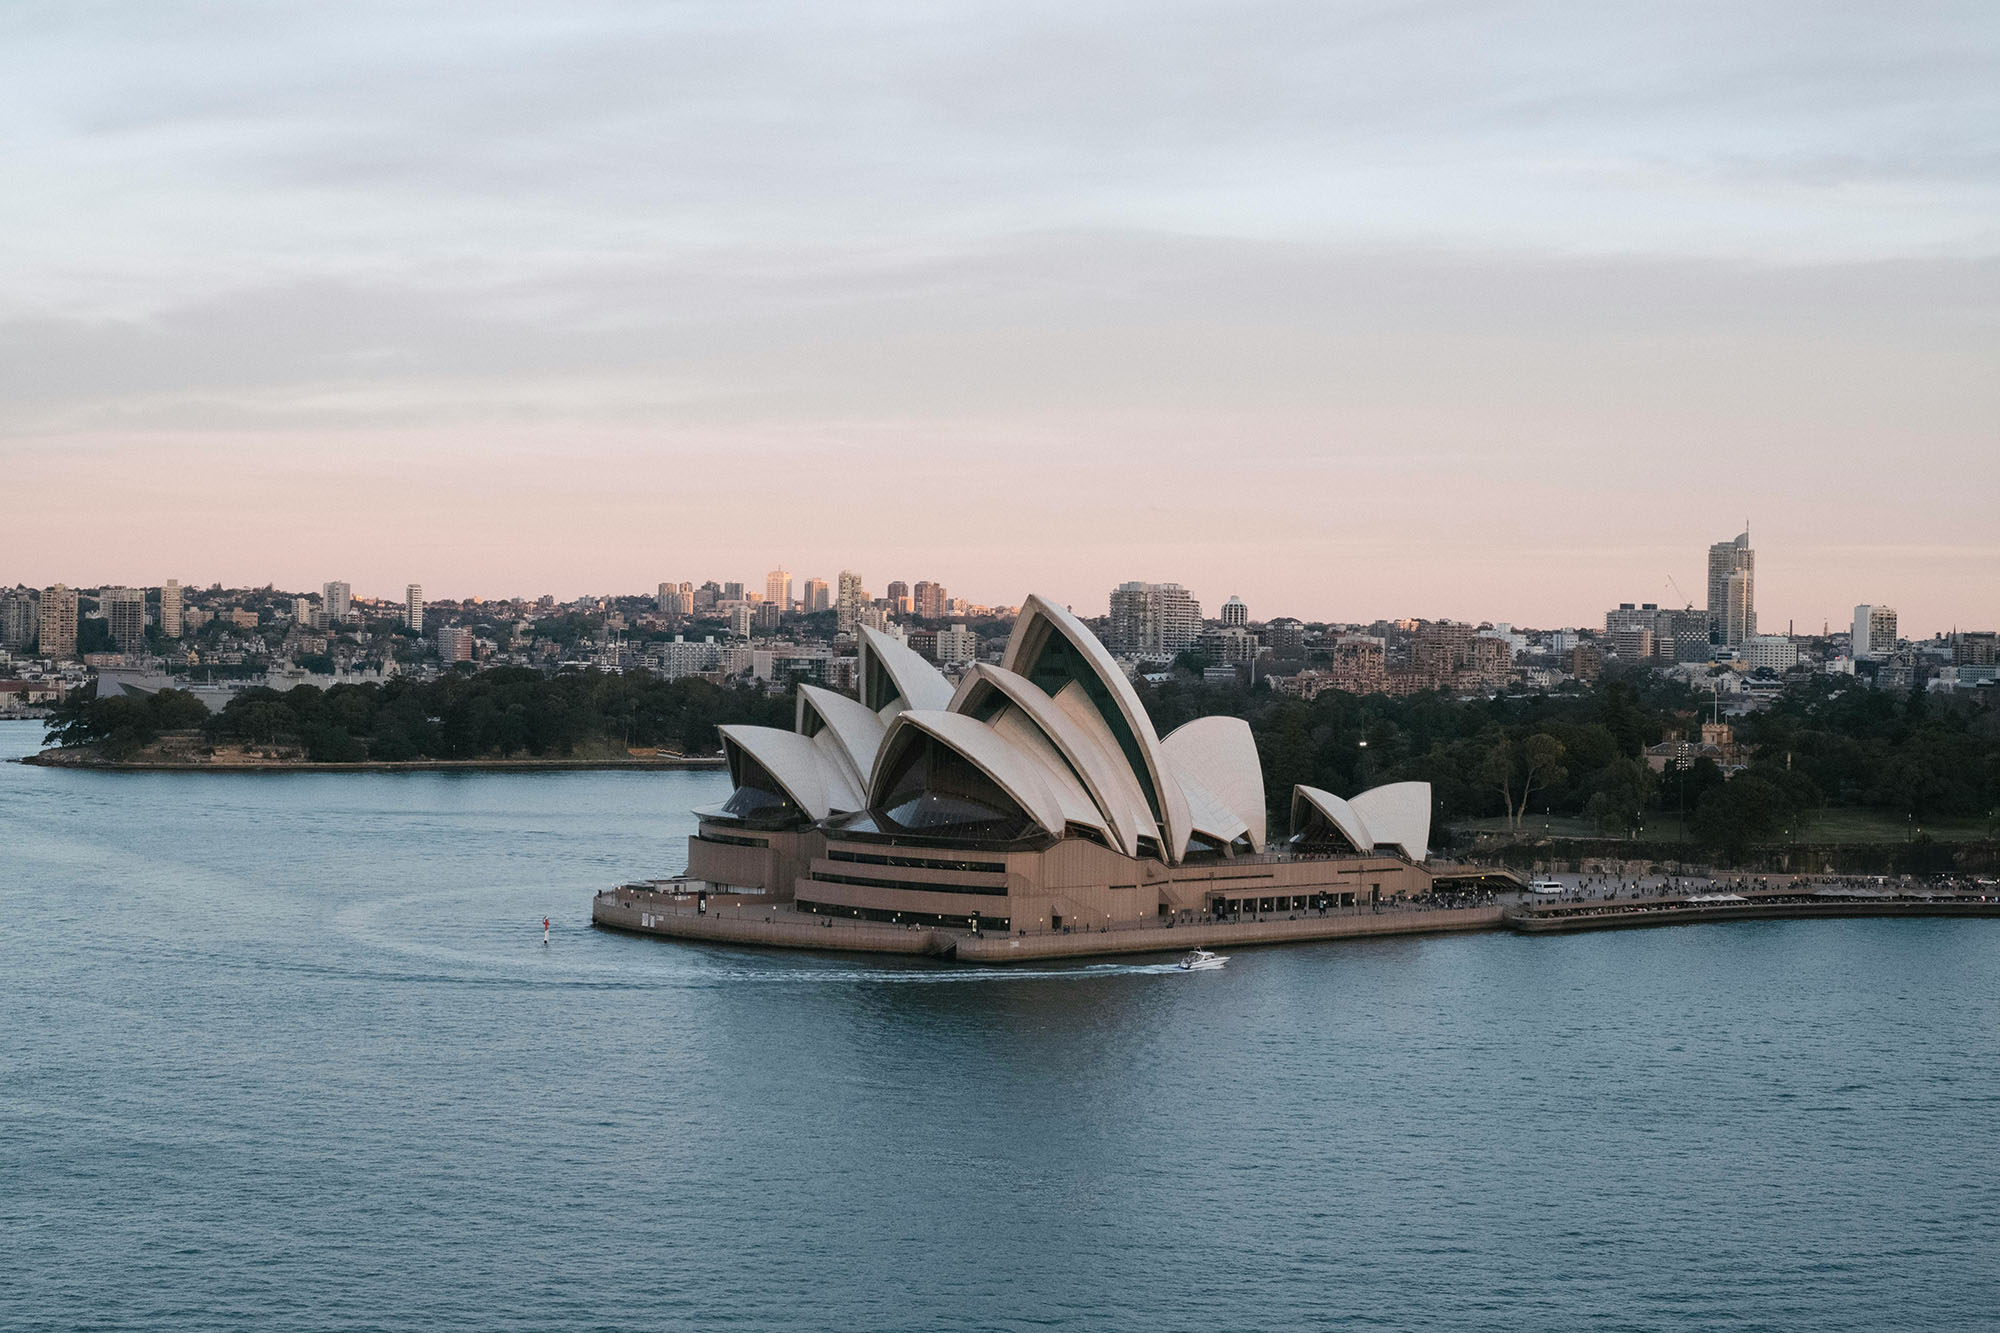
<point>1546,886</point>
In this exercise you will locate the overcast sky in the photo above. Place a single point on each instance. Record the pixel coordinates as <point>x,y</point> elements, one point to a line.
<point>1499,311</point>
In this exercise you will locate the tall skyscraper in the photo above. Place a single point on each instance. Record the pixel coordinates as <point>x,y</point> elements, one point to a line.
<point>1153,619</point>
<point>125,613</point>
<point>58,632</point>
<point>817,598</point>
<point>1725,560</point>
<point>413,607</point>
<point>1874,631</point>
<point>337,598</point>
<point>778,589</point>
<point>20,614</point>
<point>847,601</point>
<point>1235,614</point>
<point>170,609</point>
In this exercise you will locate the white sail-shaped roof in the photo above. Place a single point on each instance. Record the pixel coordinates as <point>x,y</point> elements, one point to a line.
<point>1337,812</point>
<point>1037,782</point>
<point>844,726</point>
<point>1053,649</point>
<point>1218,756</point>
<point>1079,736</point>
<point>816,785</point>
<point>893,677</point>
<point>1398,814</point>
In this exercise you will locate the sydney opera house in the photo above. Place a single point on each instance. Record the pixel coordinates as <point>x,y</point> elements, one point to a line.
<point>1033,796</point>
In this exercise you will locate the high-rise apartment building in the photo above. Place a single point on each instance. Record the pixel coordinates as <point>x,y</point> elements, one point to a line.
<point>58,630</point>
<point>778,589</point>
<point>170,609</point>
<point>20,613</point>
<point>848,601</point>
<point>125,615</point>
<point>956,644</point>
<point>900,601</point>
<point>928,601</point>
<point>1874,631</point>
<point>337,598</point>
<point>1235,614</point>
<point>454,643</point>
<point>817,598</point>
<point>1732,604</point>
<point>732,592</point>
<point>413,607</point>
<point>1153,619</point>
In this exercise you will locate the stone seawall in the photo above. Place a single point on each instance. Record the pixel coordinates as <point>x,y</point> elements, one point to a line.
<point>1226,934</point>
<point>750,921</point>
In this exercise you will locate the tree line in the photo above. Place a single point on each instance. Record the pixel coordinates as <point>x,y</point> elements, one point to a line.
<point>502,713</point>
<point>1579,752</point>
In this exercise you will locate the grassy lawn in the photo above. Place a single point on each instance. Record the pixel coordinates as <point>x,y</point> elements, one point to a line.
<point>1823,826</point>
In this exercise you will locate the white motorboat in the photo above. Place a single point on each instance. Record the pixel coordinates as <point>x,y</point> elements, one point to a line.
<point>1201,960</point>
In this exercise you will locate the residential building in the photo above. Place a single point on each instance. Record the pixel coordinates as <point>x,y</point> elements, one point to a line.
<point>817,598</point>
<point>1775,652</point>
<point>1235,614</point>
<point>1874,631</point>
<point>848,601</point>
<point>170,609</point>
<point>900,601</point>
<point>1975,648</point>
<point>338,599</point>
<point>957,644</point>
<point>454,643</point>
<point>1729,621</point>
<point>413,607</point>
<point>742,617</point>
<point>778,589</point>
<point>927,601</point>
<point>1153,619</point>
<point>20,612</point>
<point>124,611</point>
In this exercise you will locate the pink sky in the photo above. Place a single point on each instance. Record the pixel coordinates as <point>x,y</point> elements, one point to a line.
<point>1311,307</point>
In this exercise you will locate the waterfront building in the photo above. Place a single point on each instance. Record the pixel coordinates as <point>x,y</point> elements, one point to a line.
<point>413,607</point>
<point>778,589</point>
<point>1034,795</point>
<point>20,613</point>
<point>1235,615</point>
<point>58,622</point>
<point>1153,619</point>
<point>170,609</point>
<point>338,599</point>
<point>817,598</point>
<point>1732,609</point>
<point>124,611</point>
<point>1874,631</point>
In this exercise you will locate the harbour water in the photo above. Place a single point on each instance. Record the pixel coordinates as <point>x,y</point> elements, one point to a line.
<point>288,1052</point>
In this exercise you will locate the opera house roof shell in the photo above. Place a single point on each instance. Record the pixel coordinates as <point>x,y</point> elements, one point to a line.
<point>1051,743</point>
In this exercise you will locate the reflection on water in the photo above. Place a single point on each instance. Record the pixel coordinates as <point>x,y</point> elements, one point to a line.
<point>288,1051</point>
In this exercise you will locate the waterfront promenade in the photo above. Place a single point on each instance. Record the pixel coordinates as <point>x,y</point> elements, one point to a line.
<point>662,909</point>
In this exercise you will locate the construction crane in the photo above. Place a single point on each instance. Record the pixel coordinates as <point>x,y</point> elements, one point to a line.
<point>1678,593</point>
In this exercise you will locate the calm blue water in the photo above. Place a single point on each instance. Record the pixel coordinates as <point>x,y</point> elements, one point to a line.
<point>288,1052</point>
